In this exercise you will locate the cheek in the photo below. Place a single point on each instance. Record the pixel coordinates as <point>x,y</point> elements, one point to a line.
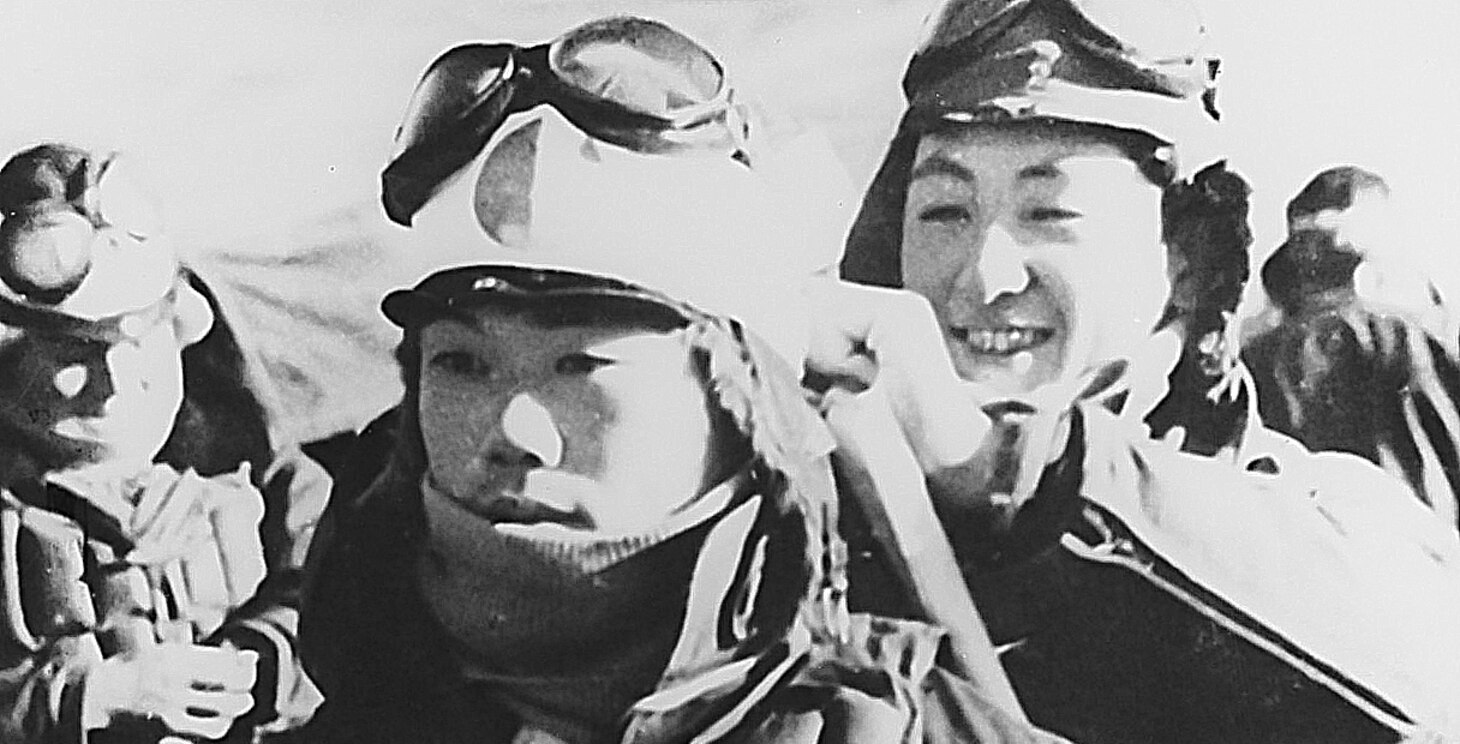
<point>585,420</point>
<point>1119,283</point>
<point>445,420</point>
<point>658,436</point>
<point>931,258</point>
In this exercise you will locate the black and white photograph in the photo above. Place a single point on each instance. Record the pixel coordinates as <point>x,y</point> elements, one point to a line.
<point>729,372</point>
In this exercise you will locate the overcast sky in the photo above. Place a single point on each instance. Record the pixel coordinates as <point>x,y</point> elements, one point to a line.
<point>254,114</point>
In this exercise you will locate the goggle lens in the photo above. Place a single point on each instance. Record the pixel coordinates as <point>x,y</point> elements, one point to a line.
<point>643,66</point>
<point>628,81</point>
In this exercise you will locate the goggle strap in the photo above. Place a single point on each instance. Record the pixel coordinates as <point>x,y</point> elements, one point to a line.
<point>444,132</point>
<point>591,113</point>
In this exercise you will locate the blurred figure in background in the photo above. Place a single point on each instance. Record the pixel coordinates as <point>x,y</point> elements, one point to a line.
<point>1356,206</point>
<point>1350,363</point>
<point>151,531</point>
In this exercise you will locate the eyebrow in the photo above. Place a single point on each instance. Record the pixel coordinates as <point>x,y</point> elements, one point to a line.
<point>1042,171</point>
<point>938,165</point>
<point>460,322</point>
<point>458,329</point>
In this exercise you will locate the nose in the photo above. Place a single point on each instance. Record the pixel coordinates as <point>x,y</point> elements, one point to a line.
<point>526,424</point>
<point>999,268</point>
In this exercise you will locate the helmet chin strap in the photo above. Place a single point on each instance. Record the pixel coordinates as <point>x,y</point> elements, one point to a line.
<point>1142,375</point>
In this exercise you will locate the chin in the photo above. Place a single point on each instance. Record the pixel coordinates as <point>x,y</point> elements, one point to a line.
<point>998,376</point>
<point>999,382</point>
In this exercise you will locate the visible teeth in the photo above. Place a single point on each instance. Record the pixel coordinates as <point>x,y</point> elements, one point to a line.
<point>1002,341</point>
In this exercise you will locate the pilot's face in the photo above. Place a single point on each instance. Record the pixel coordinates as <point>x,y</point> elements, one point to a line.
<point>1041,252</point>
<point>602,427</point>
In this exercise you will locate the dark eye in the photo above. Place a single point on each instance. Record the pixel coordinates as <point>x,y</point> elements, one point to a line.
<point>459,363</point>
<point>579,363</point>
<point>945,213</point>
<point>1051,214</point>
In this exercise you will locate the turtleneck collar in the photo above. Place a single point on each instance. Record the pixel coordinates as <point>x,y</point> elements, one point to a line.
<point>568,628</point>
<point>453,528</point>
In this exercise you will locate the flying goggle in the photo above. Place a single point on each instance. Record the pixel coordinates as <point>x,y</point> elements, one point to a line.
<point>77,254</point>
<point>97,188</point>
<point>631,82</point>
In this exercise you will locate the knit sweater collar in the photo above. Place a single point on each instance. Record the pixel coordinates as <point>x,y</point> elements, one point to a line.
<point>568,630</point>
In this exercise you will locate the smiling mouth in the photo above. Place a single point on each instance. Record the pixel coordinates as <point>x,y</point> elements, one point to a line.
<point>1003,341</point>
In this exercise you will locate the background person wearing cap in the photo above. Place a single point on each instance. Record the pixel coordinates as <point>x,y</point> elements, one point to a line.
<point>605,515</point>
<point>1357,207</point>
<point>1040,195</point>
<point>1349,371</point>
<point>138,598</point>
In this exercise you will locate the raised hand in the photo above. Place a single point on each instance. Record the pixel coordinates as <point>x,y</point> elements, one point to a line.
<point>890,339</point>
